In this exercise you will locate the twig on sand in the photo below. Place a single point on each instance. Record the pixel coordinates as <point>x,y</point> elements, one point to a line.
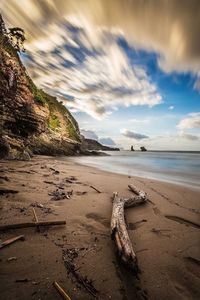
<point>98,191</point>
<point>35,216</point>
<point>61,291</point>
<point>12,240</point>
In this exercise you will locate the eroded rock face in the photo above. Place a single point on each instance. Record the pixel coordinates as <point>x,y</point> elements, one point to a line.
<point>30,118</point>
<point>17,101</point>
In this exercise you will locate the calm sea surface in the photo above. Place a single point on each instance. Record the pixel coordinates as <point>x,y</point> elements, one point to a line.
<point>176,167</point>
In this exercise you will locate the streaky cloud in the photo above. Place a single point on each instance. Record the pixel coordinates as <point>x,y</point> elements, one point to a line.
<point>133,135</point>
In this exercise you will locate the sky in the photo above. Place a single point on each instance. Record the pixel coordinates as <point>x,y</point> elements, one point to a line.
<point>129,71</point>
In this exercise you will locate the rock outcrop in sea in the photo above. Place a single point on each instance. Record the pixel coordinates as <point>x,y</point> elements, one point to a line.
<point>143,148</point>
<point>31,121</point>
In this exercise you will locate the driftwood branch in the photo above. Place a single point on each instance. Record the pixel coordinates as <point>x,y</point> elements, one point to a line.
<point>120,234</point>
<point>98,191</point>
<point>119,228</point>
<point>134,201</point>
<point>31,224</point>
<point>136,191</point>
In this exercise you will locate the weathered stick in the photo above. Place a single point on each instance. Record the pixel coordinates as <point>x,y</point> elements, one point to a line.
<point>35,216</point>
<point>61,291</point>
<point>31,224</point>
<point>95,189</point>
<point>12,240</point>
<point>36,219</point>
<point>120,234</point>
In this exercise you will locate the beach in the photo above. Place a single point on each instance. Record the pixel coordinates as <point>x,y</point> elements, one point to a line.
<point>164,233</point>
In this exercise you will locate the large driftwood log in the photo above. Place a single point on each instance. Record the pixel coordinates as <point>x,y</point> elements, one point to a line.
<point>119,228</point>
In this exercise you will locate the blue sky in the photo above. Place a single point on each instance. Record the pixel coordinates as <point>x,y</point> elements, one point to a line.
<point>129,73</point>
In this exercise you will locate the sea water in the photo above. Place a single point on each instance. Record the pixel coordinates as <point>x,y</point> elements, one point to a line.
<point>175,167</point>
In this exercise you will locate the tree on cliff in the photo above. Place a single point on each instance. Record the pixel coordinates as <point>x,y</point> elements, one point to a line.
<point>13,35</point>
<point>17,38</point>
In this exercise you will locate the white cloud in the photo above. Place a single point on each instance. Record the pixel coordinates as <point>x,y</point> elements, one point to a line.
<point>188,136</point>
<point>169,28</point>
<point>192,121</point>
<point>139,121</point>
<point>98,84</point>
<point>171,107</point>
<point>133,135</point>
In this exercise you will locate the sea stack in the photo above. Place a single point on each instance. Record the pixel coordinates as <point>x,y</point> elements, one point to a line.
<point>143,148</point>
<point>132,149</point>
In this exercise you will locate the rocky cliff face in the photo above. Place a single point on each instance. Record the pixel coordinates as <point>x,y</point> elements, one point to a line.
<point>30,118</point>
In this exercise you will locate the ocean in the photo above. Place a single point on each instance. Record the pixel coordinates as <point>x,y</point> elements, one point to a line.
<point>170,166</point>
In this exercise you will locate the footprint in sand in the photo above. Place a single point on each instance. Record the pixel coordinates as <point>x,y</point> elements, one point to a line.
<point>156,211</point>
<point>193,266</point>
<point>185,284</point>
<point>183,221</point>
<point>136,225</point>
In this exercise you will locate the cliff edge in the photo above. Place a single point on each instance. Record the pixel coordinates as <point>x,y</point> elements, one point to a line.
<point>30,119</point>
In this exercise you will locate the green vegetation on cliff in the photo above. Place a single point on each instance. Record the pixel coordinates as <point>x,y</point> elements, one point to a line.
<point>36,92</point>
<point>53,122</point>
<point>42,98</point>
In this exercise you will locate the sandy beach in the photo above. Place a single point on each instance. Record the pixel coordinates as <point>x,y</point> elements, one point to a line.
<point>164,233</point>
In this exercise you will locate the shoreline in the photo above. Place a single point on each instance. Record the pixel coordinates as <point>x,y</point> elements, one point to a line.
<point>192,186</point>
<point>164,234</point>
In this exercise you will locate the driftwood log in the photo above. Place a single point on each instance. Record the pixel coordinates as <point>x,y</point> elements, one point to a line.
<point>119,228</point>
<point>31,224</point>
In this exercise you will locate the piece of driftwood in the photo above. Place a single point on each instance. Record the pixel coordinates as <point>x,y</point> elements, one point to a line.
<point>134,201</point>
<point>136,191</point>
<point>61,291</point>
<point>98,191</point>
<point>31,224</point>
<point>12,240</point>
<point>119,228</point>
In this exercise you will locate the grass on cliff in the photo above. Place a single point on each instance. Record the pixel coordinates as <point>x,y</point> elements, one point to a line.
<point>37,93</point>
<point>53,122</point>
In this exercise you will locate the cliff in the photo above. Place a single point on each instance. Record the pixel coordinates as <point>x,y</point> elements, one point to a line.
<point>31,120</point>
<point>89,144</point>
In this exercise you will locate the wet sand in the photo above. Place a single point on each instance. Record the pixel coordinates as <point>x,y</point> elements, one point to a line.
<point>165,234</point>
